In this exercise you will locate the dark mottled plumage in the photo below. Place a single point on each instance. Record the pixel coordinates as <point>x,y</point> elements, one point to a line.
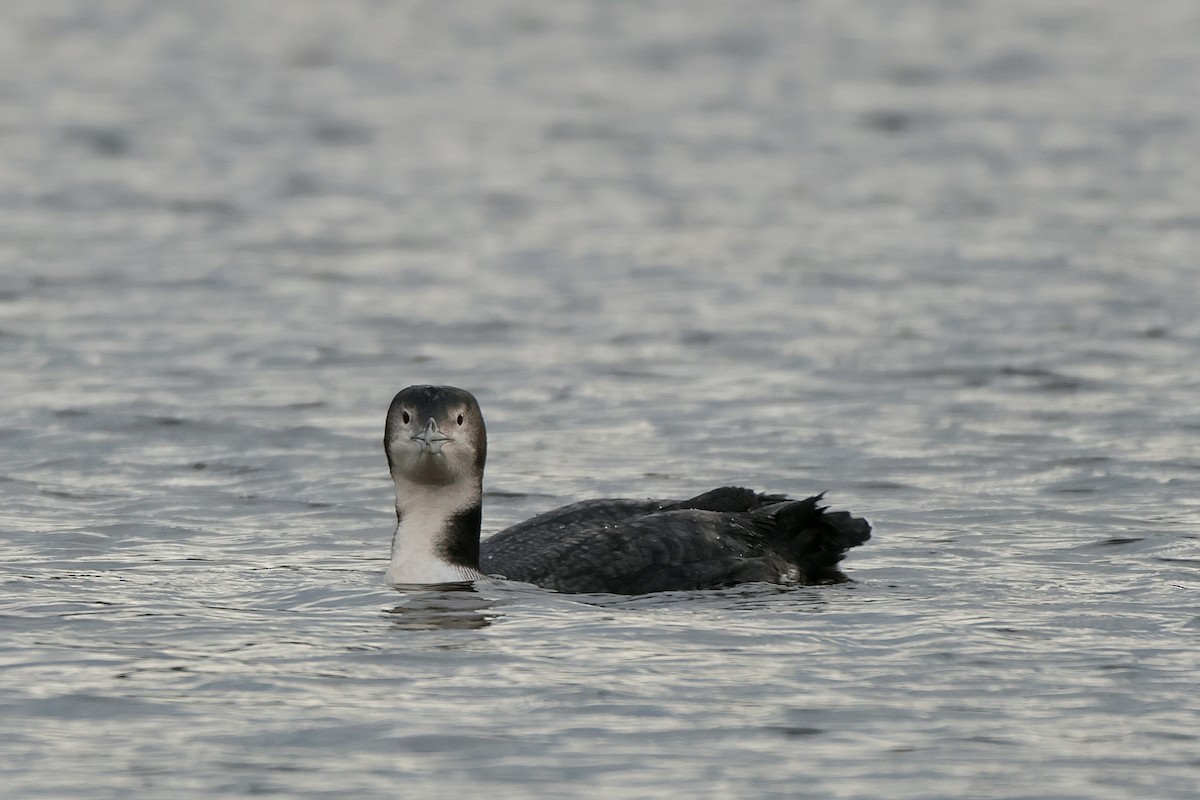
<point>720,538</point>
<point>436,444</point>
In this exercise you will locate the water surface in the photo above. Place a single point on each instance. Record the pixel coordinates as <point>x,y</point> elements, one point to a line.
<point>937,258</point>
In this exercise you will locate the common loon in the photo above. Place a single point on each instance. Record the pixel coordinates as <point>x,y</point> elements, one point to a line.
<point>436,446</point>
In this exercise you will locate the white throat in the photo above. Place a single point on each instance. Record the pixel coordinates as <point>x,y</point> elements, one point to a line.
<point>425,514</point>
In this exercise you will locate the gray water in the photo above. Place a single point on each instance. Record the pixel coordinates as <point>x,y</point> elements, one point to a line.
<point>938,258</point>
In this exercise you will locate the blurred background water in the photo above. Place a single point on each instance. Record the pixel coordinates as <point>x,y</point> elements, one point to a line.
<point>936,257</point>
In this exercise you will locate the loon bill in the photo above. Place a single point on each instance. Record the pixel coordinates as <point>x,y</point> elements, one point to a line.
<point>436,446</point>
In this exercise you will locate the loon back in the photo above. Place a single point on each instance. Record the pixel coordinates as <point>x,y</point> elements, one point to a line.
<point>720,538</point>
<point>436,445</point>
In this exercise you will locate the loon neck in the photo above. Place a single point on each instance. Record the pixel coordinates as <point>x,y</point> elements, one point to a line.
<point>437,533</point>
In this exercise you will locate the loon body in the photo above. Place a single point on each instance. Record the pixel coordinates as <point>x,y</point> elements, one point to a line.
<point>436,446</point>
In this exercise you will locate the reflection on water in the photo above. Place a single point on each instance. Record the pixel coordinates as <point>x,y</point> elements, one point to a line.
<point>743,597</point>
<point>445,606</point>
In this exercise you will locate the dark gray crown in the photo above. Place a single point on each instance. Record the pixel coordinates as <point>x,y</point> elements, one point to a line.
<point>443,404</point>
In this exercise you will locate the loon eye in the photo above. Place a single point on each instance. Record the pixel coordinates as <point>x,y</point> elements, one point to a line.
<point>405,417</point>
<point>460,419</point>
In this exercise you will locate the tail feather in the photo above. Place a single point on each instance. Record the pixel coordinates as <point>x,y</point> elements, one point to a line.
<point>812,538</point>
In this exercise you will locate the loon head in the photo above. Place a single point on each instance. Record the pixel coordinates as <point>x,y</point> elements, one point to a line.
<point>436,446</point>
<point>435,437</point>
